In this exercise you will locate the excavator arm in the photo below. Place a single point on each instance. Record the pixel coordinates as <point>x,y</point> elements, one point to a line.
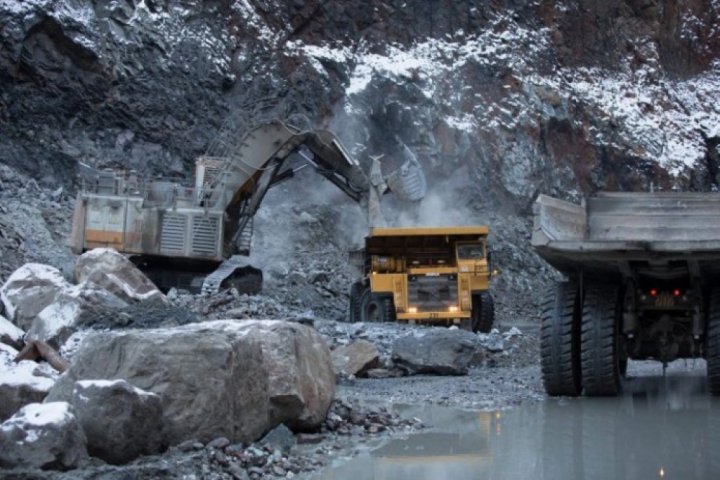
<point>259,163</point>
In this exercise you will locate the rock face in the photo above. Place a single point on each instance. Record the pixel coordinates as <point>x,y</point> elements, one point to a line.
<point>223,378</point>
<point>21,383</point>
<point>108,270</point>
<point>120,422</point>
<point>444,352</point>
<point>42,435</point>
<point>355,358</point>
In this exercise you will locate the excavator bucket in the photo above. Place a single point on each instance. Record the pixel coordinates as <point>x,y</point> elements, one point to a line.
<point>408,182</point>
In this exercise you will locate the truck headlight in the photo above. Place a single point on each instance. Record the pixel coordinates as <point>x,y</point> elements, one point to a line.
<point>453,308</point>
<point>412,309</point>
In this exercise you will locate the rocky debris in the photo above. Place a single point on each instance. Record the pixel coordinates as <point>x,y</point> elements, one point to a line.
<point>106,269</point>
<point>351,418</point>
<point>22,383</point>
<point>221,378</point>
<point>439,351</point>
<point>10,334</point>
<point>42,435</point>
<point>355,358</point>
<point>494,341</point>
<point>120,422</point>
<point>280,437</point>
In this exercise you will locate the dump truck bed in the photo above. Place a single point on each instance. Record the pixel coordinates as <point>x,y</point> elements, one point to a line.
<point>616,230</point>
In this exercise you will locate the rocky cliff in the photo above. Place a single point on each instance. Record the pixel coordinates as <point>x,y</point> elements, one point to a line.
<point>498,100</point>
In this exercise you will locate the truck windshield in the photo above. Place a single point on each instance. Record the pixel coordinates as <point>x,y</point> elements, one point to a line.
<point>472,251</point>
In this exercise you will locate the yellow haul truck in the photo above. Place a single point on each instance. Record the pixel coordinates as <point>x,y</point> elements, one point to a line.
<point>436,275</point>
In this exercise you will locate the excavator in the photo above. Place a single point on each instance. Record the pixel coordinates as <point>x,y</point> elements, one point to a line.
<point>196,236</point>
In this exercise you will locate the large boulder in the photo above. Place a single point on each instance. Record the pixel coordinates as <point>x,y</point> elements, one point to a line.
<point>10,334</point>
<point>106,269</point>
<point>301,381</point>
<point>439,351</point>
<point>121,422</point>
<point>355,358</point>
<point>22,383</point>
<point>221,378</point>
<point>42,435</point>
<point>210,377</point>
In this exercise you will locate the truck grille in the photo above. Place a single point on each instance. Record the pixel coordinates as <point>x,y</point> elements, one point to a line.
<point>432,293</point>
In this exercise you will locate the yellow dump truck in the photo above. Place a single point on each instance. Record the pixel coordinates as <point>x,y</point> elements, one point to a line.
<point>435,275</point>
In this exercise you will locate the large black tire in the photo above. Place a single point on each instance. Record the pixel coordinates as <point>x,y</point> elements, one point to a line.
<point>713,342</point>
<point>375,307</point>
<point>560,340</point>
<point>483,312</point>
<point>353,308</point>
<point>600,340</point>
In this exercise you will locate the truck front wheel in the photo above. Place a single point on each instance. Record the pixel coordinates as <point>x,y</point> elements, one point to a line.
<point>560,340</point>
<point>600,340</point>
<point>713,343</point>
<point>376,308</point>
<point>356,290</point>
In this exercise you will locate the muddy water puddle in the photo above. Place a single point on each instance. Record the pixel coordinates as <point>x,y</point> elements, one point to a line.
<point>661,428</point>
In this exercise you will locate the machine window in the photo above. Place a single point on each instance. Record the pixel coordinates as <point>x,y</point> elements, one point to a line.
<point>472,251</point>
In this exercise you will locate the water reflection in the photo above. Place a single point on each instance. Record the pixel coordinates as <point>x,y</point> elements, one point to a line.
<point>661,428</point>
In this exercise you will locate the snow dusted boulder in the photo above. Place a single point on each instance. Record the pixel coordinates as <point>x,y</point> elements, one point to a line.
<point>22,383</point>
<point>301,380</point>
<point>440,351</point>
<point>42,435</point>
<point>215,379</point>
<point>38,299</point>
<point>10,334</point>
<point>29,290</point>
<point>106,269</point>
<point>121,422</point>
<point>355,358</point>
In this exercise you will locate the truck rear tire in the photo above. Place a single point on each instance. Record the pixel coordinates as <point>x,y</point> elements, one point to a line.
<point>483,312</point>
<point>713,343</point>
<point>560,340</point>
<point>600,340</point>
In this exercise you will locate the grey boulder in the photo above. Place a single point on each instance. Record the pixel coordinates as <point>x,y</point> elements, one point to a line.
<point>42,435</point>
<point>438,351</point>
<point>120,422</point>
<point>355,358</point>
<point>222,378</point>
<point>301,381</point>
<point>29,290</point>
